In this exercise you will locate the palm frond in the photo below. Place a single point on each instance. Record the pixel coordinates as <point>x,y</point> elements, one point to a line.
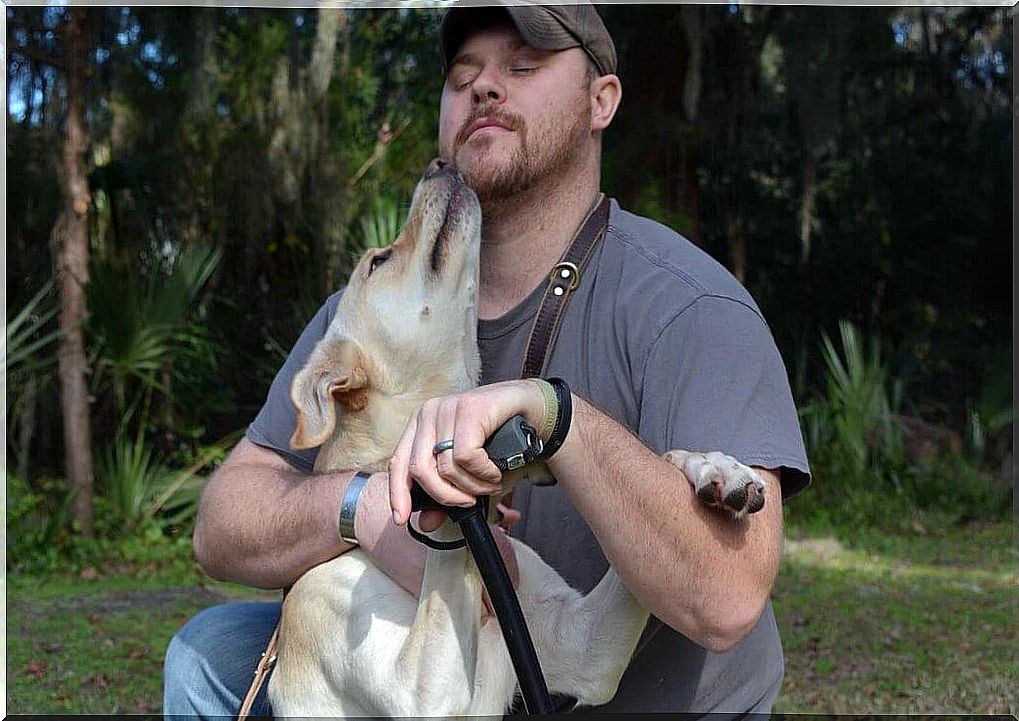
<point>23,340</point>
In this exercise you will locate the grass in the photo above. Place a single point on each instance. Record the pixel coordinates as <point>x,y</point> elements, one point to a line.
<point>918,623</point>
<point>95,644</point>
<point>873,623</point>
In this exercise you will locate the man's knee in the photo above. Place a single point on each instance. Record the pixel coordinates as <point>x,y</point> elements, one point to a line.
<point>210,660</point>
<point>210,628</point>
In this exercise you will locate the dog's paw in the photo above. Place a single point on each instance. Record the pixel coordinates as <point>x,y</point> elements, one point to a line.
<point>721,480</point>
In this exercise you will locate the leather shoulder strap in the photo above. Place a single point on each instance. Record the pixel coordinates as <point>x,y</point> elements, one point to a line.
<point>265,664</point>
<point>562,281</point>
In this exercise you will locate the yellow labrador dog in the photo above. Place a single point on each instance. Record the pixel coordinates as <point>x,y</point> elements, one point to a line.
<point>353,642</point>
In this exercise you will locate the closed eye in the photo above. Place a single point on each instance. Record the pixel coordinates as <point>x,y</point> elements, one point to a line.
<point>378,260</point>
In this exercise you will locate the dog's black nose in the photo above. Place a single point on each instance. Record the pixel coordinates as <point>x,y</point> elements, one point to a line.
<point>437,166</point>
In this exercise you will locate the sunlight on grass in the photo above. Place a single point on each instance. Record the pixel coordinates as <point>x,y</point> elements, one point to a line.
<point>829,553</point>
<point>927,625</point>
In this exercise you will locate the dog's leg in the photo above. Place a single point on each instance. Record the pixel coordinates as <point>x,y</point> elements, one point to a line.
<point>438,662</point>
<point>584,643</point>
<point>343,624</point>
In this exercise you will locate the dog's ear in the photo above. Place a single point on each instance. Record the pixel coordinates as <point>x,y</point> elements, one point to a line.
<point>336,372</point>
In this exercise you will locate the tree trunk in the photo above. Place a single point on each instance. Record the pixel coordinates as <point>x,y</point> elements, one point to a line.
<point>309,177</point>
<point>737,241</point>
<point>72,270</point>
<point>26,426</point>
<point>332,198</point>
<point>196,190</point>
<point>695,31</point>
<point>33,74</point>
<point>807,202</point>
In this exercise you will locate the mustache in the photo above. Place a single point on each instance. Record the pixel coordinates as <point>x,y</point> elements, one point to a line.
<point>510,120</point>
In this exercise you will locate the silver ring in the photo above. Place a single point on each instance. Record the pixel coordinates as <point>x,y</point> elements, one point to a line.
<point>446,445</point>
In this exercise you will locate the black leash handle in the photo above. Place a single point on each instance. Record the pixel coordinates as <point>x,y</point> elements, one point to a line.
<point>493,571</point>
<point>473,522</point>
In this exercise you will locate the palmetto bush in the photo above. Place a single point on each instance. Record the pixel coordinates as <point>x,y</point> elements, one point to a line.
<point>143,493</point>
<point>29,361</point>
<point>856,447</point>
<point>131,478</point>
<point>150,350</point>
<point>854,422</point>
<point>26,335</point>
<point>146,328</point>
<point>378,227</point>
<point>854,442</point>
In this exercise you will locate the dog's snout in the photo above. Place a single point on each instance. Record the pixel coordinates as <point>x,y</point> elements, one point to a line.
<point>437,166</point>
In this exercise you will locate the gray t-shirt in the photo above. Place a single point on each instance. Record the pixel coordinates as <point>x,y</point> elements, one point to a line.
<point>663,339</point>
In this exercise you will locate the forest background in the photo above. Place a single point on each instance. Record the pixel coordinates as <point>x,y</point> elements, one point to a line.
<point>185,186</point>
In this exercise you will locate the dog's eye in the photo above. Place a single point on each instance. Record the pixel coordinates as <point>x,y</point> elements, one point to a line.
<point>378,260</point>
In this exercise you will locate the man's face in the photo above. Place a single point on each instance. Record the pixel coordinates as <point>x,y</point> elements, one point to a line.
<point>512,115</point>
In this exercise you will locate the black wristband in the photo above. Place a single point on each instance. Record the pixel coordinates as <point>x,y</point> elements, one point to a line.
<point>563,419</point>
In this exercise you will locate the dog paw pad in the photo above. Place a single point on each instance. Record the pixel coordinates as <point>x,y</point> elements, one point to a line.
<point>720,480</point>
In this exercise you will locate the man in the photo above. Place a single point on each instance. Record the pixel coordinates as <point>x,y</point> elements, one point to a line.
<point>661,346</point>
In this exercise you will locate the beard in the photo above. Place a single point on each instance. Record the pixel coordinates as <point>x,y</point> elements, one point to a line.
<point>555,148</point>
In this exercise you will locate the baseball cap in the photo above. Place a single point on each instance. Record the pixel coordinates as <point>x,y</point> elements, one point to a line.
<point>545,27</point>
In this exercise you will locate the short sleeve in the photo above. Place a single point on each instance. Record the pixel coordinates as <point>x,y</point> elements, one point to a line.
<point>715,381</point>
<point>277,419</point>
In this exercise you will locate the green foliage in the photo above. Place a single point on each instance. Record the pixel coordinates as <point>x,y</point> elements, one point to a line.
<point>900,119</point>
<point>29,359</point>
<point>36,521</point>
<point>132,481</point>
<point>862,475</point>
<point>955,490</point>
<point>144,510</point>
<point>148,326</point>
<point>27,336</point>
<point>992,414</point>
<point>854,420</point>
<point>247,43</point>
<point>147,496</point>
<point>379,227</point>
<point>649,202</point>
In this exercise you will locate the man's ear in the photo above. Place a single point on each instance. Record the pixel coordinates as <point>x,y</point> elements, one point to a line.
<point>336,372</point>
<point>606,94</point>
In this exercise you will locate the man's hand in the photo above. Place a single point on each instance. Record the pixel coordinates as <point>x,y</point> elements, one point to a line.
<point>458,476</point>
<point>398,555</point>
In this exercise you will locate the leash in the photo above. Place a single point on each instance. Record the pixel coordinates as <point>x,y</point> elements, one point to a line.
<point>478,537</point>
<point>563,279</point>
<point>265,664</point>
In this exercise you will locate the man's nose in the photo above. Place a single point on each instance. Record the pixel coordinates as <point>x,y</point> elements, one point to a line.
<point>487,88</point>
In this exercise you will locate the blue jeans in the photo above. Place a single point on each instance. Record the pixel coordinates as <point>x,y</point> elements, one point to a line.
<point>211,661</point>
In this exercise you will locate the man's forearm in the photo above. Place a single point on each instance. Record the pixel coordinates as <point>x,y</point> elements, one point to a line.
<point>263,524</point>
<point>701,572</point>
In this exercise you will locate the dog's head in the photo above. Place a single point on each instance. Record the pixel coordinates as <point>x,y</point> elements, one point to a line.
<point>407,322</point>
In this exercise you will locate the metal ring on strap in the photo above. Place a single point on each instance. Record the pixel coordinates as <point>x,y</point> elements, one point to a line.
<point>566,271</point>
